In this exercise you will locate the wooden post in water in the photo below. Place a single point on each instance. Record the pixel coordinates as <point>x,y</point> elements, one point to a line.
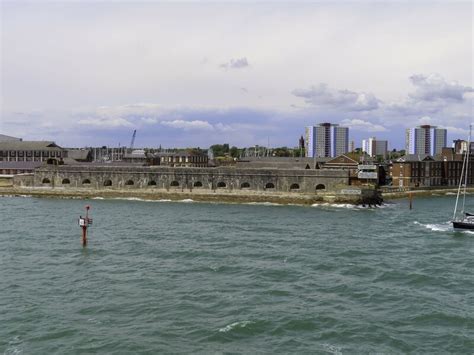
<point>411,199</point>
<point>85,222</point>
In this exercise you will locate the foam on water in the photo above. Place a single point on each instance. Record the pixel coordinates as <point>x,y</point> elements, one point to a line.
<point>351,206</point>
<point>235,325</point>
<point>15,346</point>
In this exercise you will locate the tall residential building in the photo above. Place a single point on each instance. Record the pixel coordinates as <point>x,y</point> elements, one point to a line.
<point>374,147</point>
<point>326,140</point>
<point>425,140</point>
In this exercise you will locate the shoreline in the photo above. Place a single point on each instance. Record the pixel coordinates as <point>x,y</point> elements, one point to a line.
<point>435,192</point>
<point>213,197</point>
<point>157,195</point>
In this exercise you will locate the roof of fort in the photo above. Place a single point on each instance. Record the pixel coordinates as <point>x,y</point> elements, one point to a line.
<point>29,145</point>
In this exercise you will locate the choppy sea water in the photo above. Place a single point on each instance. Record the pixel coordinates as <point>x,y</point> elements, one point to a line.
<point>170,277</point>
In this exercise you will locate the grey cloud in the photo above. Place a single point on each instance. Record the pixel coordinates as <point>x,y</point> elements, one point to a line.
<point>238,63</point>
<point>434,87</point>
<point>432,95</point>
<point>322,95</point>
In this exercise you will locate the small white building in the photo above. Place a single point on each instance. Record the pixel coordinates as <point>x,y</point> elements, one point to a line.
<point>374,147</point>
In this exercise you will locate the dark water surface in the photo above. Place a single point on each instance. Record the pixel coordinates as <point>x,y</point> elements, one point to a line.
<point>162,277</point>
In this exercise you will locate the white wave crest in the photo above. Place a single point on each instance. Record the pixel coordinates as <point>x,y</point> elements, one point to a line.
<point>334,205</point>
<point>332,349</point>
<point>235,325</point>
<point>348,206</point>
<point>264,204</point>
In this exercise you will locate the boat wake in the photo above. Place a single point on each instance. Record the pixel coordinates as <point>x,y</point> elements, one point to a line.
<point>442,227</point>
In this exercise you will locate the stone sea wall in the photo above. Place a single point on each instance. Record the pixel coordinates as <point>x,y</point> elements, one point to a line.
<point>227,184</point>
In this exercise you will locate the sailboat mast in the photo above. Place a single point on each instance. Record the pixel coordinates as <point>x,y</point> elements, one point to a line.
<point>467,167</point>
<point>461,179</point>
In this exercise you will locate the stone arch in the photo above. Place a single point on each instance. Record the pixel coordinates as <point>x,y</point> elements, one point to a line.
<point>221,185</point>
<point>129,183</point>
<point>320,187</point>
<point>198,184</point>
<point>86,182</point>
<point>270,185</point>
<point>174,183</point>
<point>46,181</point>
<point>245,185</point>
<point>108,182</point>
<point>294,187</point>
<point>66,181</point>
<point>152,183</point>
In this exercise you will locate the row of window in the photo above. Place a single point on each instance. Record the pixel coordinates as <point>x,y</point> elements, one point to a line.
<point>221,184</point>
<point>184,159</point>
<point>28,153</point>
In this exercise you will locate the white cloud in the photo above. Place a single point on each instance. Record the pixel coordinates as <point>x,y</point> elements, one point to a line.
<point>189,125</point>
<point>324,96</point>
<point>434,87</point>
<point>361,125</point>
<point>104,123</point>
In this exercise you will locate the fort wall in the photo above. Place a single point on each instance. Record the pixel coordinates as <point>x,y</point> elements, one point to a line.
<point>223,179</point>
<point>225,184</point>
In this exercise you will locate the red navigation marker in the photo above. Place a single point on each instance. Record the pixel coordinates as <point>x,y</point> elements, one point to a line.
<point>84,223</point>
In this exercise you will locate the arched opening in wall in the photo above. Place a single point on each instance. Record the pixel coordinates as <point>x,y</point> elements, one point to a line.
<point>129,183</point>
<point>320,187</point>
<point>152,183</point>
<point>108,182</point>
<point>174,183</point>
<point>86,182</point>
<point>294,187</point>
<point>221,185</point>
<point>245,185</point>
<point>66,182</point>
<point>198,184</point>
<point>270,185</point>
<point>46,181</point>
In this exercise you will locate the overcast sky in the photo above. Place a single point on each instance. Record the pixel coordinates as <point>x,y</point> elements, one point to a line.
<point>195,74</point>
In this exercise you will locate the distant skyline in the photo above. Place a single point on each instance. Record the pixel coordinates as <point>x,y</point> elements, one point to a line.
<point>195,74</point>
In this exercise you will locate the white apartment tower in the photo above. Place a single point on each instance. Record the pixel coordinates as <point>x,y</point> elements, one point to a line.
<point>326,140</point>
<point>425,139</point>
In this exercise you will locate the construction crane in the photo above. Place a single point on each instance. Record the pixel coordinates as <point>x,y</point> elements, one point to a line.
<point>133,139</point>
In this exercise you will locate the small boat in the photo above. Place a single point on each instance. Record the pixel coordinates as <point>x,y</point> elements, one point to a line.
<point>465,220</point>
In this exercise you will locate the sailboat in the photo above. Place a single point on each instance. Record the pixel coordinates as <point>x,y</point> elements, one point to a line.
<point>463,220</point>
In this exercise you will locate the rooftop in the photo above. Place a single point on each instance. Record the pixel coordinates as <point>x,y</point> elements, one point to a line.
<point>28,145</point>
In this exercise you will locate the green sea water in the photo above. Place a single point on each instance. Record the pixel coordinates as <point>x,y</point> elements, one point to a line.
<point>184,277</point>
